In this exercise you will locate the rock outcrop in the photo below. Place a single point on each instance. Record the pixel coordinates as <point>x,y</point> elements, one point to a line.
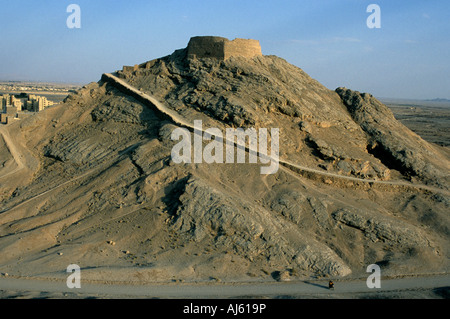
<point>250,231</point>
<point>390,141</point>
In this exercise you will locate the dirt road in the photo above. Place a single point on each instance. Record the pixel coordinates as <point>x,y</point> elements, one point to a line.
<point>26,163</point>
<point>297,289</point>
<point>18,158</point>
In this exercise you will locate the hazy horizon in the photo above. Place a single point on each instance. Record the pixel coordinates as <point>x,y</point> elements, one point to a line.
<point>406,58</point>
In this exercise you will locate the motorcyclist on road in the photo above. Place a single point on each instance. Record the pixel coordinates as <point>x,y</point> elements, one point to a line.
<point>330,285</point>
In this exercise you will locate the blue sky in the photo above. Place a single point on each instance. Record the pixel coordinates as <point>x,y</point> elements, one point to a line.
<point>408,57</point>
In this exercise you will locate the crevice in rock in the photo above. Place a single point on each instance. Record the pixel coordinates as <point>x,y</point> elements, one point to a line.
<point>387,159</point>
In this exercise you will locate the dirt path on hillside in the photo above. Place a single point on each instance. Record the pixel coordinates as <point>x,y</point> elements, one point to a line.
<point>25,160</point>
<point>177,119</point>
<point>15,153</point>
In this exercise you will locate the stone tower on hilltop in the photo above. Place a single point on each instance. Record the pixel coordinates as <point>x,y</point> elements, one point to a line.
<point>209,47</point>
<point>222,48</point>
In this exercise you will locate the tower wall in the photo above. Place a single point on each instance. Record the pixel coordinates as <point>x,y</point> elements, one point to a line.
<point>222,48</point>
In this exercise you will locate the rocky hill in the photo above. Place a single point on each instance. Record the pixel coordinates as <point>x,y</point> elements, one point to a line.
<point>91,181</point>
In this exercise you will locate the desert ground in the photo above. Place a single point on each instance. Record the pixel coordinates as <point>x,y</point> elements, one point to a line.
<point>429,120</point>
<point>91,181</point>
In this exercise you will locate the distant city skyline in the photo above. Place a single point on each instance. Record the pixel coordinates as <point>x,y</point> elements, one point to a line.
<point>408,57</point>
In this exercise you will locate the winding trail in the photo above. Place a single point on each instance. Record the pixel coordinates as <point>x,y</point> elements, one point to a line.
<point>291,168</point>
<point>217,290</point>
<point>15,153</point>
<point>177,119</point>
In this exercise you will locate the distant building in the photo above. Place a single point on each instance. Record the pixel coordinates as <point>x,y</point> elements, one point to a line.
<point>11,106</point>
<point>6,101</point>
<point>3,118</point>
